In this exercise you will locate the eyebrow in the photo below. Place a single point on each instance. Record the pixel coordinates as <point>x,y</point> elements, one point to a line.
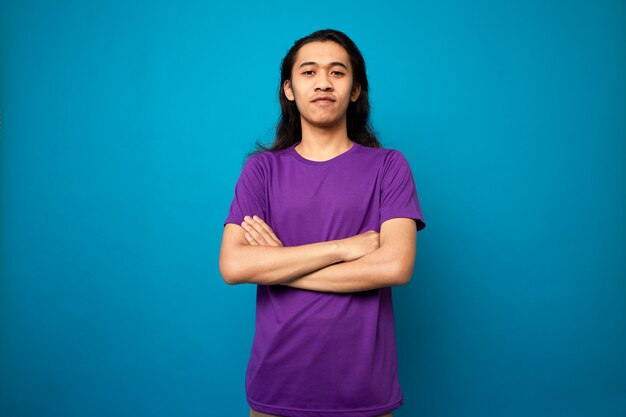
<point>332,64</point>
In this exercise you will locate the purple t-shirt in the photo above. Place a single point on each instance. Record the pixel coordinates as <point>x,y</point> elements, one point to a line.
<point>319,354</point>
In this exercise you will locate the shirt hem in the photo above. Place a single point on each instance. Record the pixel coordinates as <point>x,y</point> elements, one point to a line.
<point>300,412</point>
<point>421,224</point>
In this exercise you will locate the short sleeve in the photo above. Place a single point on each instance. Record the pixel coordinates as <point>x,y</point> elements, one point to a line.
<point>398,192</point>
<point>249,196</point>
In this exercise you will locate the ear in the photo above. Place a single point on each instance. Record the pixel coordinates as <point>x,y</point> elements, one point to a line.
<point>288,90</point>
<point>356,92</point>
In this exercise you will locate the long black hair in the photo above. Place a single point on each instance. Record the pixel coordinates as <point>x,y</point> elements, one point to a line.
<point>289,129</point>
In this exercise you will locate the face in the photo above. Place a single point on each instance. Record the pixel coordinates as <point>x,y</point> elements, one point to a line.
<point>322,70</point>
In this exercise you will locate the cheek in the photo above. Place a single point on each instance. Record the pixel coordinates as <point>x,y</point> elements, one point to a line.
<point>296,93</point>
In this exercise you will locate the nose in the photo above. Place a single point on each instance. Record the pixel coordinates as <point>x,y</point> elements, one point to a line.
<point>323,82</point>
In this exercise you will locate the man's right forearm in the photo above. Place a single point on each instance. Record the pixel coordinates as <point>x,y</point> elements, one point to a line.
<point>270,265</point>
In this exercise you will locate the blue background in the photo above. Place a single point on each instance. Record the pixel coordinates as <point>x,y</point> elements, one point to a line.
<point>124,128</point>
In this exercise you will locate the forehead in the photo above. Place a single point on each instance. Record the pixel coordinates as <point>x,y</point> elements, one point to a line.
<point>322,53</point>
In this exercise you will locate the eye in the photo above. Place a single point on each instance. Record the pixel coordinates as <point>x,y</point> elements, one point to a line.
<point>338,72</point>
<point>307,72</point>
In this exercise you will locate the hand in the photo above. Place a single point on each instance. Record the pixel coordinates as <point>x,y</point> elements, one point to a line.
<point>359,245</point>
<point>259,233</point>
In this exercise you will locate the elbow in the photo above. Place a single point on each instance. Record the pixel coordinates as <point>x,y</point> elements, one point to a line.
<point>402,273</point>
<point>230,271</point>
<point>404,280</point>
<point>228,277</point>
<point>234,272</point>
<point>231,276</point>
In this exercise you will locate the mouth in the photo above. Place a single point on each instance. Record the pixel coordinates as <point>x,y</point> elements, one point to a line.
<point>323,101</point>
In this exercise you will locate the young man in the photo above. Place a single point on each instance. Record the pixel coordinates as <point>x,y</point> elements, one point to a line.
<point>324,222</point>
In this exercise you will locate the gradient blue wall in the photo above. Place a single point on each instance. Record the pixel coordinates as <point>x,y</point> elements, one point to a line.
<point>124,127</point>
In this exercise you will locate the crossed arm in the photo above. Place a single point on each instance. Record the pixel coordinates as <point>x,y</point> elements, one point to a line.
<point>252,253</point>
<point>377,269</point>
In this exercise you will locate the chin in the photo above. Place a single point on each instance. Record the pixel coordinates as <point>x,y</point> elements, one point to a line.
<point>324,122</point>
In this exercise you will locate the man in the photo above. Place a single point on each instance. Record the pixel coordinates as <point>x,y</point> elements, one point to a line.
<point>324,222</point>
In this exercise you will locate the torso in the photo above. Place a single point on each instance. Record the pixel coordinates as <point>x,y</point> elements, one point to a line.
<point>254,413</point>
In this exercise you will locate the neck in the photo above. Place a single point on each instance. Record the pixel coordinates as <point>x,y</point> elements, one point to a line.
<point>324,142</point>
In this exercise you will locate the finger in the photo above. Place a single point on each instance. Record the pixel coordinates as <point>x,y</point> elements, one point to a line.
<point>250,239</point>
<point>267,228</point>
<point>247,231</point>
<point>258,232</point>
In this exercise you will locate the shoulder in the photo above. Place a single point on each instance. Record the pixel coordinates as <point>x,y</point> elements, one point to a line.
<point>263,164</point>
<point>258,161</point>
<point>267,160</point>
<point>394,165</point>
<point>387,158</point>
<point>382,153</point>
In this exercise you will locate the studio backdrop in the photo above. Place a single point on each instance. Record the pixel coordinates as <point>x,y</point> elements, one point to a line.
<point>126,123</point>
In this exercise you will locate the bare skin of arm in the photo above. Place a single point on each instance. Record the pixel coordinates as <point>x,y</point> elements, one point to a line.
<point>252,253</point>
<point>366,273</point>
<point>390,264</point>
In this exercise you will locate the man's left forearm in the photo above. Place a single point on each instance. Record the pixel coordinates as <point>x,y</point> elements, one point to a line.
<point>375,270</point>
